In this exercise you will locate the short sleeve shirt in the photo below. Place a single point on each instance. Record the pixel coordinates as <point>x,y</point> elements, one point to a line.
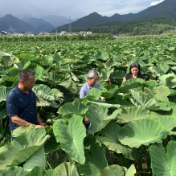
<point>21,104</point>
<point>85,89</point>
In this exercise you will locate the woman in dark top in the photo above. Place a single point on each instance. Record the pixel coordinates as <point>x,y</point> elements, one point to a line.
<point>134,72</point>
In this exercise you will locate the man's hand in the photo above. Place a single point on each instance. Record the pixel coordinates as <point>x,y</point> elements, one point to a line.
<point>38,126</point>
<point>42,124</point>
<point>86,120</point>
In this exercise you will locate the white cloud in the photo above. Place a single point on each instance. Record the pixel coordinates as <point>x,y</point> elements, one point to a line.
<point>156,2</point>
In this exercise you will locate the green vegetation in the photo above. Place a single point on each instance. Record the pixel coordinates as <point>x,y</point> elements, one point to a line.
<point>64,37</point>
<point>132,130</point>
<point>137,27</point>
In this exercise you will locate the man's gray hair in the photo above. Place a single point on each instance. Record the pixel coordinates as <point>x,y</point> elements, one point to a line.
<point>92,74</point>
<point>24,75</point>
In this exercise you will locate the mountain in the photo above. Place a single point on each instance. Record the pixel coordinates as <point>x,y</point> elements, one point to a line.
<point>56,20</point>
<point>11,23</point>
<point>39,24</point>
<point>164,9</point>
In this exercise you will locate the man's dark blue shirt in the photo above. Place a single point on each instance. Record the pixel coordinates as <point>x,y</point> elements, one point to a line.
<point>21,104</point>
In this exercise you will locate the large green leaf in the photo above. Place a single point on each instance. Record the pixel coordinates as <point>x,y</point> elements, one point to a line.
<point>23,147</point>
<point>116,170</point>
<point>99,118</point>
<point>109,90</point>
<point>35,171</point>
<point>43,91</point>
<point>93,94</point>
<point>76,107</point>
<point>145,101</point>
<point>142,132</point>
<point>37,159</point>
<point>113,170</point>
<point>71,134</point>
<point>162,93</point>
<point>163,163</point>
<point>15,171</point>
<point>69,85</point>
<point>168,122</point>
<point>131,114</point>
<point>66,169</point>
<point>95,161</point>
<point>3,93</point>
<point>131,84</point>
<point>110,140</point>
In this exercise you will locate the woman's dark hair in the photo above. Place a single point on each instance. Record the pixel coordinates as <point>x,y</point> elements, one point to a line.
<point>135,64</point>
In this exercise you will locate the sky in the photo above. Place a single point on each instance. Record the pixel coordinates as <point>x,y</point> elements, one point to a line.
<point>73,8</point>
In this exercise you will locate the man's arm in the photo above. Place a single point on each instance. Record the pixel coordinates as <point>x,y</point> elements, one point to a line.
<point>39,121</point>
<point>17,120</point>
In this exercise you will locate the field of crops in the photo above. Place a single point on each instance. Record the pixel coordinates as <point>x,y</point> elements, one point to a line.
<point>132,130</point>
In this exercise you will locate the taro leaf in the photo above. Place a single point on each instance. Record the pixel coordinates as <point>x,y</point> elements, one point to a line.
<point>150,84</point>
<point>52,78</point>
<point>163,78</point>
<point>93,94</point>
<point>37,159</point>
<point>44,92</point>
<point>131,171</point>
<point>9,60</point>
<point>162,93</point>
<point>131,84</point>
<point>22,148</point>
<point>74,77</point>
<point>106,73</point>
<point>149,92</point>
<point>39,72</point>
<point>118,74</point>
<point>104,104</point>
<point>76,107</point>
<point>142,132</point>
<point>168,122</point>
<point>132,114</point>
<point>164,67</point>
<point>113,170</point>
<point>3,112</point>
<point>95,161</point>
<point>145,101</point>
<point>109,90</point>
<point>112,62</point>
<point>69,85</point>
<point>110,140</point>
<point>163,163</point>
<point>15,171</point>
<point>99,118</point>
<point>103,55</point>
<point>49,173</point>
<point>71,134</point>
<point>11,75</point>
<point>36,171</point>
<point>170,82</point>
<point>58,96</point>
<point>66,169</point>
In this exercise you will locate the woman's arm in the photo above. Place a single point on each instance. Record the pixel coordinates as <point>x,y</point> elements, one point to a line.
<point>124,79</point>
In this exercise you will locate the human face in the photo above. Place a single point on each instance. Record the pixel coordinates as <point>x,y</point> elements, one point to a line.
<point>92,81</point>
<point>134,71</point>
<point>28,84</point>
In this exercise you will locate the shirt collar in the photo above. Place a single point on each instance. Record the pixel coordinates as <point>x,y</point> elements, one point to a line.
<point>88,86</point>
<point>19,91</point>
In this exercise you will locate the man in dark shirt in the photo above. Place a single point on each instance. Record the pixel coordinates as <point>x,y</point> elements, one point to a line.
<point>21,103</point>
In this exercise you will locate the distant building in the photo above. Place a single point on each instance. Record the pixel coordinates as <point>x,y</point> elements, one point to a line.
<point>63,32</point>
<point>89,32</point>
<point>44,33</point>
